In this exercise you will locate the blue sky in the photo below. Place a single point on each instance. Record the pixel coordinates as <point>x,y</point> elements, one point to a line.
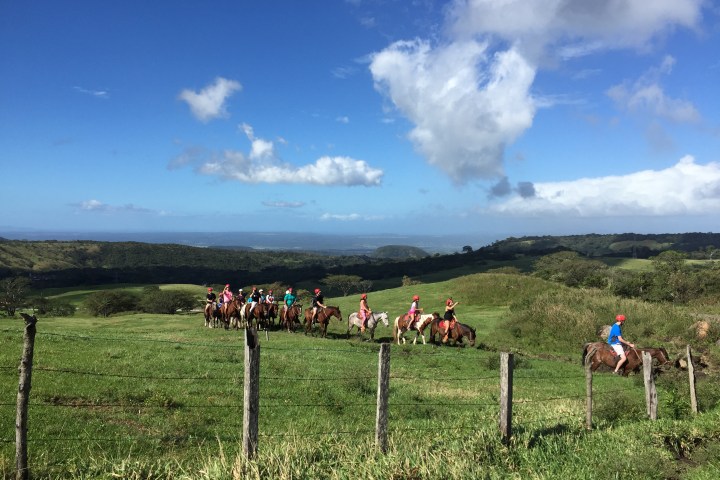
<point>359,116</point>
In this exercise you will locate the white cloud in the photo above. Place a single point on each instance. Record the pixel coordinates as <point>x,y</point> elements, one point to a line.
<point>686,188</point>
<point>349,217</point>
<point>463,114</point>
<point>93,93</point>
<point>209,103</point>
<point>343,119</point>
<point>98,206</point>
<point>262,165</point>
<point>575,27</point>
<point>281,204</point>
<point>469,96</point>
<point>646,95</point>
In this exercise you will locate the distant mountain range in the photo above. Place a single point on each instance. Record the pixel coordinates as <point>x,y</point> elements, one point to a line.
<point>292,241</point>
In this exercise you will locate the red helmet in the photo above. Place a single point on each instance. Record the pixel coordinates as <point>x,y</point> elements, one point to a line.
<point>364,295</point>
<point>290,289</point>
<point>449,301</point>
<point>416,298</point>
<point>317,290</point>
<point>620,318</point>
<point>227,285</point>
<point>210,289</point>
<point>269,291</point>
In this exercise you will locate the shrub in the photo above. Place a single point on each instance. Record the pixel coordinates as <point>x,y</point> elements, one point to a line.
<point>103,304</point>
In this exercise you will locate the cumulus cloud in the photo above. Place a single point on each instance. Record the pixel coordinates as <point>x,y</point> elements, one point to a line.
<point>262,165</point>
<point>209,103</point>
<point>647,95</point>
<point>686,188</point>
<point>466,103</point>
<point>469,96</point>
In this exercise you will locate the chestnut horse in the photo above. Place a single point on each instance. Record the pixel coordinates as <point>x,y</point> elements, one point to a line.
<point>600,353</point>
<point>455,334</point>
<point>259,314</point>
<point>323,318</point>
<point>290,316</point>
<point>232,313</point>
<point>272,313</point>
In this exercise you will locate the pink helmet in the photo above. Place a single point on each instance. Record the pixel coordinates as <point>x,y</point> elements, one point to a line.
<point>364,295</point>
<point>449,301</point>
<point>317,290</point>
<point>210,289</point>
<point>416,298</point>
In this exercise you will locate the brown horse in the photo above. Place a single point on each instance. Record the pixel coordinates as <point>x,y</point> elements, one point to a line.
<point>232,313</point>
<point>259,314</point>
<point>209,311</point>
<point>323,319</point>
<point>272,313</point>
<point>455,334</point>
<point>600,353</point>
<point>290,316</point>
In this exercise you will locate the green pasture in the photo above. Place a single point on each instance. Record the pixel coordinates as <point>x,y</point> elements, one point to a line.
<point>160,396</point>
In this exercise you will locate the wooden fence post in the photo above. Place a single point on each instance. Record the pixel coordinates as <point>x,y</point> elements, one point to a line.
<point>691,375</point>
<point>22,471</point>
<point>383,389</point>
<point>251,395</point>
<point>650,391</point>
<point>506,387</point>
<point>588,395</point>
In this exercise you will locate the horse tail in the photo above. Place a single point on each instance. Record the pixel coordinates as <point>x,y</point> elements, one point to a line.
<point>395,329</point>
<point>585,354</point>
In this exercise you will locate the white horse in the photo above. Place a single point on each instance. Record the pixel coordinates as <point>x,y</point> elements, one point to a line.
<point>372,321</point>
<point>402,326</point>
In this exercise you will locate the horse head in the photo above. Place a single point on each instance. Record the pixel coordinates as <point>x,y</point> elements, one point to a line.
<point>383,316</point>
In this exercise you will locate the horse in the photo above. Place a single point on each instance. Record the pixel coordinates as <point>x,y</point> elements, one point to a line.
<point>272,313</point>
<point>456,333</point>
<point>209,311</point>
<point>290,316</point>
<point>259,314</point>
<point>601,353</point>
<point>404,323</point>
<point>232,313</point>
<point>372,321</point>
<point>323,318</point>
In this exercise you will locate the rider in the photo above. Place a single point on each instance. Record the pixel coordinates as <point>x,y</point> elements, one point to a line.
<point>364,312</point>
<point>616,341</point>
<point>317,301</point>
<point>210,299</point>
<point>288,301</point>
<point>449,317</point>
<point>254,297</point>
<point>414,311</point>
<point>241,296</point>
<point>227,294</point>
<point>270,298</point>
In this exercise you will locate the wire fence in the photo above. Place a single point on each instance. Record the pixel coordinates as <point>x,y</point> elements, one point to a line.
<point>483,387</point>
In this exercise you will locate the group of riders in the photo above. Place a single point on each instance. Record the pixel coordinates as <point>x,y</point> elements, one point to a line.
<point>214,303</point>
<point>413,314</point>
<point>258,296</point>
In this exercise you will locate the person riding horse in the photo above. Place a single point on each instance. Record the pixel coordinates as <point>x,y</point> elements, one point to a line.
<point>364,312</point>
<point>616,341</point>
<point>414,311</point>
<point>210,300</point>
<point>288,301</point>
<point>449,317</point>
<point>317,302</point>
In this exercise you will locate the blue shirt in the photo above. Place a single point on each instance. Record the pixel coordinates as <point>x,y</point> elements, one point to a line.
<point>615,332</point>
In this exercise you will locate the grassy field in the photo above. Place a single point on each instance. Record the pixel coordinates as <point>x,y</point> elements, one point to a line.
<point>160,396</point>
